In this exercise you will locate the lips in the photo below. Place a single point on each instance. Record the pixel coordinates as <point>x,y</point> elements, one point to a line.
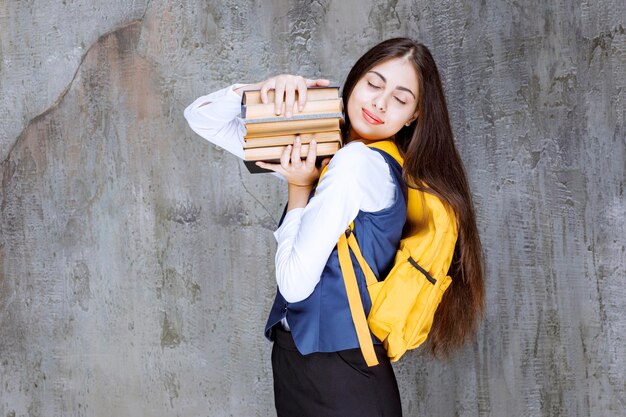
<point>370,118</point>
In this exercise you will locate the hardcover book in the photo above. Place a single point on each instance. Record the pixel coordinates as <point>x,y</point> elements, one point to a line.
<point>272,155</point>
<point>267,134</point>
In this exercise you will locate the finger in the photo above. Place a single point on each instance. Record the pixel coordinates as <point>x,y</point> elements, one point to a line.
<point>278,98</point>
<point>301,94</point>
<point>290,96</point>
<point>319,82</point>
<point>284,157</point>
<point>264,90</point>
<point>271,167</point>
<point>296,162</point>
<point>325,162</point>
<point>311,155</point>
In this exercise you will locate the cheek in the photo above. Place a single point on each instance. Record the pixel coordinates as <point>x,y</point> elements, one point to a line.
<point>360,96</point>
<point>354,110</point>
<point>400,115</point>
<point>354,106</point>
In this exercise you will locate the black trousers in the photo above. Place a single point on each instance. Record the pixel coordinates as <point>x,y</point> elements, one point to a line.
<point>331,384</point>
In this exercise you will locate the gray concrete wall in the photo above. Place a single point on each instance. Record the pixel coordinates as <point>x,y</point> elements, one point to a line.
<point>137,259</point>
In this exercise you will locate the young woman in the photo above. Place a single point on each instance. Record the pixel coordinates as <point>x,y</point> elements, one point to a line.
<point>392,93</point>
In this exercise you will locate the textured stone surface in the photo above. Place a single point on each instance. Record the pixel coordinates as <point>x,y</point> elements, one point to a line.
<point>137,259</point>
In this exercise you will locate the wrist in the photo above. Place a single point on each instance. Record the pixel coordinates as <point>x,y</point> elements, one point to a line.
<point>296,187</point>
<point>298,195</point>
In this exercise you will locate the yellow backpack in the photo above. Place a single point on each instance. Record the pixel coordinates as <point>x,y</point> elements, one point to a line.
<point>404,303</point>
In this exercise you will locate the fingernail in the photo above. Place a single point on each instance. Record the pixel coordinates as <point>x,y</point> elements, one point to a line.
<point>297,140</point>
<point>313,142</point>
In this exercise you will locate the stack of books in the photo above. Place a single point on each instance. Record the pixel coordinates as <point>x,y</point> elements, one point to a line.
<point>267,134</point>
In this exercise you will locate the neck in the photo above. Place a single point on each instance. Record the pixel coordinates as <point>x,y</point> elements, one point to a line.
<point>355,137</point>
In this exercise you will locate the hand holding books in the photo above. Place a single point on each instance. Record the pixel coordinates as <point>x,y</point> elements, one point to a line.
<point>297,172</point>
<point>317,116</point>
<point>285,87</point>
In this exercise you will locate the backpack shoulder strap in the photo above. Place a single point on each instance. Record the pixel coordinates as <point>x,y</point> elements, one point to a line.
<point>390,147</point>
<point>348,242</point>
<point>354,297</point>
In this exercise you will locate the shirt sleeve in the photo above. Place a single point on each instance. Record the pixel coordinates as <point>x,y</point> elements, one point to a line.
<point>216,118</point>
<point>357,178</point>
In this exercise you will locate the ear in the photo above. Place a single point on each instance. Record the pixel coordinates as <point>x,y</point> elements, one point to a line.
<point>413,118</point>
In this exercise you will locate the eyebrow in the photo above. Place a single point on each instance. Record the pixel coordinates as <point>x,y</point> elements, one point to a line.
<point>398,87</point>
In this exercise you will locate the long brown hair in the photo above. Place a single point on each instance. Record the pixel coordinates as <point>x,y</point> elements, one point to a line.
<point>432,164</point>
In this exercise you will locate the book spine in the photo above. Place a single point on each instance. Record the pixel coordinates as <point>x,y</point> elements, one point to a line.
<point>283,119</point>
<point>291,127</point>
<point>274,152</point>
<point>320,137</point>
<point>259,111</point>
<point>313,93</point>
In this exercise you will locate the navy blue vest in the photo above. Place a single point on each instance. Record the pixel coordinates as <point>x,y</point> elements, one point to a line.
<point>322,322</point>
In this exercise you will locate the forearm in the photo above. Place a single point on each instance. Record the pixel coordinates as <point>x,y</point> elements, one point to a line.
<point>248,87</point>
<point>303,248</point>
<point>298,196</point>
<point>215,118</point>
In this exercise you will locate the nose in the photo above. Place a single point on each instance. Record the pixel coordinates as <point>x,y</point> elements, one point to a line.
<point>380,103</point>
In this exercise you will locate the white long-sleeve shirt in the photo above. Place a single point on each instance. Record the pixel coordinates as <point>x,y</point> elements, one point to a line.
<point>357,178</point>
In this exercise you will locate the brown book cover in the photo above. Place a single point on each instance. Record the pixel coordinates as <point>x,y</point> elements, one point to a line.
<point>253,168</point>
<point>260,111</point>
<point>250,97</point>
<point>332,136</point>
<point>292,127</point>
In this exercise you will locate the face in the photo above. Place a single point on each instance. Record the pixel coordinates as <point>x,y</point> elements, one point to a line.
<point>383,100</point>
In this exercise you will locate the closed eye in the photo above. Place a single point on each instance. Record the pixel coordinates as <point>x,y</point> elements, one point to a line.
<point>377,87</point>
